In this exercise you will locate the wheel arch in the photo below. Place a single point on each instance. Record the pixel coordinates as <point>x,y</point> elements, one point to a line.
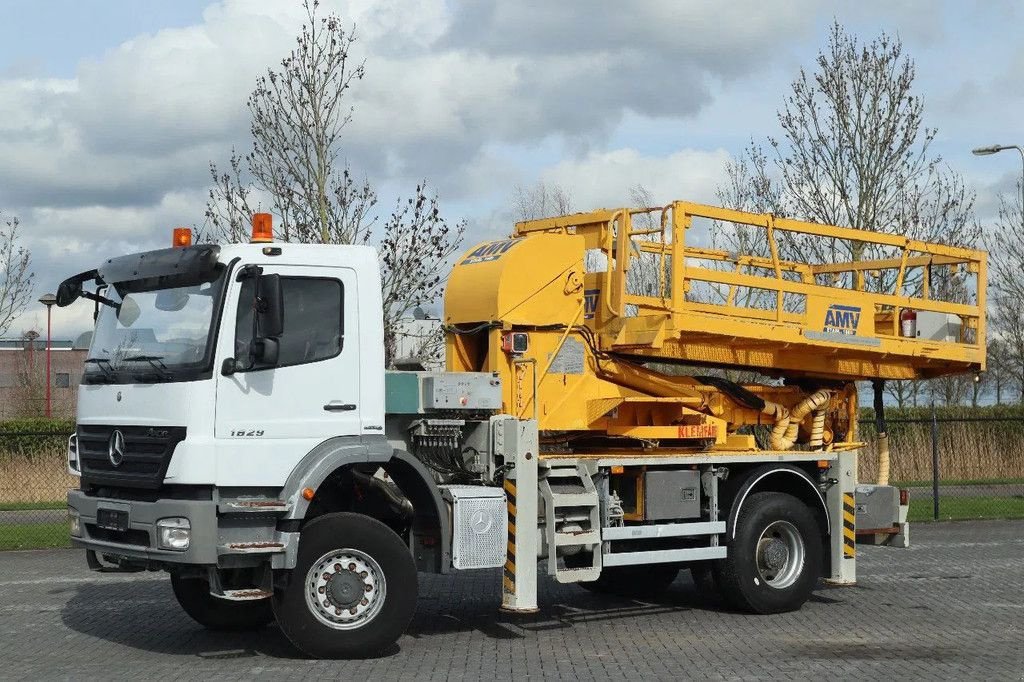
<point>781,478</point>
<point>337,456</point>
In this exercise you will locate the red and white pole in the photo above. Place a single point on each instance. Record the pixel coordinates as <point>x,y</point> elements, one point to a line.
<point>49,411</point>
<point>48,300</point>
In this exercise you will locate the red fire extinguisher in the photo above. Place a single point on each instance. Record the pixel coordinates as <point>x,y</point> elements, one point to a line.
<point>908,323</point>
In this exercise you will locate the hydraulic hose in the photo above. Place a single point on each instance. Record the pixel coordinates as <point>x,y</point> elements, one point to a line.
<point>881,429</point>
<point>787,423</point>
<point>818,430</point>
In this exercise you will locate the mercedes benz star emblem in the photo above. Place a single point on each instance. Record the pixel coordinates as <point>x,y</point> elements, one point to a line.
<point>481,522</point>
<point>115,449</point>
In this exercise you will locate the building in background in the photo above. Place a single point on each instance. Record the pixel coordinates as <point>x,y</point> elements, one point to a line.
<point>23,375</point>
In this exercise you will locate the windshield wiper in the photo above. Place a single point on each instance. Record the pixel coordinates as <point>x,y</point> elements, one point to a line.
<point>104,366</point>
<point>155,362</point>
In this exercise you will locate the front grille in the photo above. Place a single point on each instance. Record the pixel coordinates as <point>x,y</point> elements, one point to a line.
<point>147,454</point>
<point>140,538</point>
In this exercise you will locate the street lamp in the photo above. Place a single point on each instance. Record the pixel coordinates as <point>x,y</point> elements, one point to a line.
<point>985,151</point>
<point>48,300</point>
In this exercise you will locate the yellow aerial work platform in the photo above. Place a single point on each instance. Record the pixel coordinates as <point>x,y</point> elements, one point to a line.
<point>578,316</point>
<point>652,296</point>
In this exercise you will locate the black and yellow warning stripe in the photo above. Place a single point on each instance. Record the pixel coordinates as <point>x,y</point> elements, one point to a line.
<point>509,581</point>
<point>849,526</point>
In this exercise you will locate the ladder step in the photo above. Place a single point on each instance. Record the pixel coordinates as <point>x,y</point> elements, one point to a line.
<point>588,537</point>
<point>577,575</point>
<point>574,499</point>
<point>251,548</point>
<point>250,594</point>
<point>563,472</point>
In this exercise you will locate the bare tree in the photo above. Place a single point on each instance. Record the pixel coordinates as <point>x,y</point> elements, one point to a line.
<point>298,114</point>
<point>904,393</point>
<point>1008,321</point>
<point>16,276</point>
<point>999,369</point>
<point>541,200</point>
<point>1005,243</point>
<point>415,228</point>
<point>853,151</point>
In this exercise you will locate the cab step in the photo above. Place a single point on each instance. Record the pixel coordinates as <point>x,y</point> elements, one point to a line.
<point>249,594</point>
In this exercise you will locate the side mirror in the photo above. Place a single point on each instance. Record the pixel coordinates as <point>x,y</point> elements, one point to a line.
<point>269,307</point>
<point>170,300</point>
<point>68,292</point>
<point>128,312</point>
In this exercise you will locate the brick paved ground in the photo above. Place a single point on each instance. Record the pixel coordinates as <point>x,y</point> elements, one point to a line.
<point>952,606</point>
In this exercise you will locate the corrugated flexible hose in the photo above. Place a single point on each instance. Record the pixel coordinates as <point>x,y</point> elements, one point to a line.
<point>787,423</point>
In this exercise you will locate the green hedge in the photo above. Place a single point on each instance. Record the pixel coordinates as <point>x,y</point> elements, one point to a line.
<point>15,443</point>
<point>38,425</point>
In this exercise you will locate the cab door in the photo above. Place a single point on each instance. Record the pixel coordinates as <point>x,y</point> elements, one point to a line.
<point>312,393</point>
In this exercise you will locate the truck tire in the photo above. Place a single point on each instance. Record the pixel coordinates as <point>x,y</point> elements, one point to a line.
<point>215,613</point>
<point>634,581</point>
<point>353,589</point>
<point>775,558</point>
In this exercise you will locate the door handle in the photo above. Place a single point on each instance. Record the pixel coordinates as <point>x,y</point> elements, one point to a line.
<point>338,406</point>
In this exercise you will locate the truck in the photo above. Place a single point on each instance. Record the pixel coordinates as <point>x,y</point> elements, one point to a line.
<point>596,420</point>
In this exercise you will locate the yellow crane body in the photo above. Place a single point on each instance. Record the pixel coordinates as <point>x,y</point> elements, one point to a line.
<point>586,318</point>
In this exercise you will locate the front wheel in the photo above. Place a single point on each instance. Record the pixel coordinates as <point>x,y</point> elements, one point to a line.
<point>353,590</point>
<point>215,613</point>
<point>775,558</point>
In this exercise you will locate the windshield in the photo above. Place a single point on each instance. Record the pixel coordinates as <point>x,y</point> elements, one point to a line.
<point>156,335</point>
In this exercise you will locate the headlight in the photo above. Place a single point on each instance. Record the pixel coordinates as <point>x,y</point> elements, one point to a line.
<point>173,533</point>
<point>74,523</point>
<point>73,465</point>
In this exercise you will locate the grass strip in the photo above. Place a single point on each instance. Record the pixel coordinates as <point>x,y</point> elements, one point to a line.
<point>963,508</point>
<point>28,506</point>
<point>34,536</point>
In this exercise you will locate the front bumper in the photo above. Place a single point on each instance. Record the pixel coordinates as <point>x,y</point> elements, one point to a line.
<point>140,540</point>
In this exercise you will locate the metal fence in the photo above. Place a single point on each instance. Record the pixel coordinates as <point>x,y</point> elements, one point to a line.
<point>34,481</point>
<point>955,468</point>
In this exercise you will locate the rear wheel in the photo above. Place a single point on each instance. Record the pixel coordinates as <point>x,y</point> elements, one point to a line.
<point>215,613</point>
<point>353,590</point>
<point>775,558</point>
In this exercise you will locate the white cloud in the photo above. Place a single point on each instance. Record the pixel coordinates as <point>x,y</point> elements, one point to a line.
<point>604,179</point>
<point>144,118</point>
<point>474,95</point>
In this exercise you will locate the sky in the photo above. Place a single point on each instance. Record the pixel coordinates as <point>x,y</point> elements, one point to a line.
<point>111,111</point>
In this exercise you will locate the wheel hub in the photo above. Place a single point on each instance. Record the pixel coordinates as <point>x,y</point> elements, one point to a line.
<point>780,555</point>
<point>345,589</point>
<point>775,554</point>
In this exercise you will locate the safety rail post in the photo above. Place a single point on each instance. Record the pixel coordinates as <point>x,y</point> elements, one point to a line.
<point>680,222</point>
<point>519,578</point>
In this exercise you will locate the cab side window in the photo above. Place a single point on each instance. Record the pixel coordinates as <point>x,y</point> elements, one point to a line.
<point>313,320</point>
